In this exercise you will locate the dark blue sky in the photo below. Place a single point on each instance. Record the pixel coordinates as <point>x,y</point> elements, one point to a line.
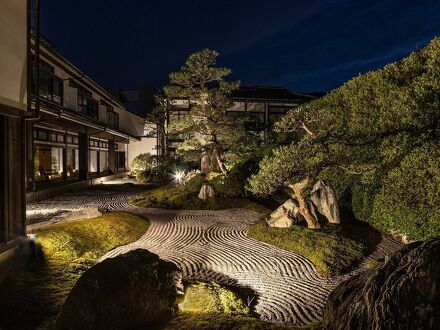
<point>302,45</point>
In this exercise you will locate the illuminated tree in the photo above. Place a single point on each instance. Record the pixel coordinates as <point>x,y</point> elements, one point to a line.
<point>209,131</point>
<point>364,128</point>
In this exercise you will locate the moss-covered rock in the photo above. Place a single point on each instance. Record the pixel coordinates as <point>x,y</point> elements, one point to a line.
<point>131,291</point>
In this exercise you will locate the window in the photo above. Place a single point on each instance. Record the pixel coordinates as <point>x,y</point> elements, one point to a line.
<point>72,163</point>
<point>103,161</point>
<point>98,150</point>
<point>56,155</point>
<point>84,100</point>
<point>93,168</point>
<point>48,163</point>
<point>112,118</point>
<point>42,135</point>
<point>51,87</point>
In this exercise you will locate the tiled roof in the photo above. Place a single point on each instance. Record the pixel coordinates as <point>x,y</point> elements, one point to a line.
<point>269,93</point>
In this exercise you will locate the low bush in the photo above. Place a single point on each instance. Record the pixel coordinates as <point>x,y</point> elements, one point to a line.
<point>334,249</point>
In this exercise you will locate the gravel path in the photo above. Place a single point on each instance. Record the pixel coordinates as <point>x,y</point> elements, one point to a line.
<point>213,245</point>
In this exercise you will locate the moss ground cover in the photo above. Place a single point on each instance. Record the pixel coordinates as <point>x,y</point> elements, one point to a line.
<point>211,306</point>
<point>333,249</point>
<point>172,197</point>
<point>36,293</point>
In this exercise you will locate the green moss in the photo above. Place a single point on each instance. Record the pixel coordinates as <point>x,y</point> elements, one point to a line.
<point>219,321</point>
<point>172,197</point>
<point>37,292</point>
<point>333,249</point>
<point>212,306</point>
<point>203,297</point>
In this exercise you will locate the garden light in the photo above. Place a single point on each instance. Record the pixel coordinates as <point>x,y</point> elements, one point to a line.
<point>178,175</point>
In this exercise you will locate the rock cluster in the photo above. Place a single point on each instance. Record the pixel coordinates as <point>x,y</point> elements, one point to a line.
<point>323,199</point>
<point>403,293</point>
<point>131,291</point>
<point>285,216</point>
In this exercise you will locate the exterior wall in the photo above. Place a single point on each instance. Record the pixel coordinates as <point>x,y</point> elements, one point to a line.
<point>130,123</point>
<point>146,145</point>
<point>102,128</point>
<point>13,50</point>
<point>11,179</point>
<point>13,107</point>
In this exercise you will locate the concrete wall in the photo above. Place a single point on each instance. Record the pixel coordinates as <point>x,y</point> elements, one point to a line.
<point>13,53</point>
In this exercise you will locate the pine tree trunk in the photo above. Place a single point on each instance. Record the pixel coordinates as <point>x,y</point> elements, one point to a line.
<point>211,161</point>
<point>298,189</point>
<point>220,164</point>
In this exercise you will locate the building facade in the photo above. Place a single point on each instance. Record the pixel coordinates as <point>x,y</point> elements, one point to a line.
<point>14,108</point>
<point>82,132</point>
<point>267,104</point>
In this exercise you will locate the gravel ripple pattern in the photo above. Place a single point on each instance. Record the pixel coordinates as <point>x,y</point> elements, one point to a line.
<point>213,245</point>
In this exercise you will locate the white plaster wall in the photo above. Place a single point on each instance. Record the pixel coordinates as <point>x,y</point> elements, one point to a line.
<point>13,53</point>
<point>146,145</point>
<point>130,123</point>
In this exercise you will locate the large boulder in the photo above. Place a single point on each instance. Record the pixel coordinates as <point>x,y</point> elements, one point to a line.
<point>324,198</point>
<point>131,291</point>
<point>285,216</point>
<point>403,293</point>
<point>207,191</point>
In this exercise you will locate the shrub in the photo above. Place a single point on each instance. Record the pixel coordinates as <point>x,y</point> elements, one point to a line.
<point>363,193</point>
<point>225,186</point>
<point>408,201</point>
<point>143,162</point>
<point>194,183</point>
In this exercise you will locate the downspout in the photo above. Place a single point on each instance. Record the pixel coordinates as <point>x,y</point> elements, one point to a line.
<point>35,115</point>
<point>34,60</point>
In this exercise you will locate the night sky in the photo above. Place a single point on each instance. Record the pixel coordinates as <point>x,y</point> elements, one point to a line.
<point>302,45</point>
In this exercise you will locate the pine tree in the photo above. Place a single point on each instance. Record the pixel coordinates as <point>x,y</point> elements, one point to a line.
<point>209,131</point>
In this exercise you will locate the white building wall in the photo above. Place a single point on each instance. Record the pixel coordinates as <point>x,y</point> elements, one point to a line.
<point>13,53</point>
<point>130,123</point>
<point>148,143</point>
<point>145,146</point>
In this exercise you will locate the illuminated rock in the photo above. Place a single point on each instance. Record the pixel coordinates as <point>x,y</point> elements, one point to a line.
<point>285,216</point>
<point>324,198</point>
<point>206,192</point>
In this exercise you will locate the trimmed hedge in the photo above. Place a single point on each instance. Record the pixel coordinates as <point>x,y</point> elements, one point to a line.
<point>409,199</point>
